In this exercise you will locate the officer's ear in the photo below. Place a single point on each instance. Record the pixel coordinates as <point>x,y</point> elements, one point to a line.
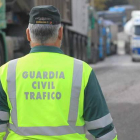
<point>28,35</point>
<point>60,34</point>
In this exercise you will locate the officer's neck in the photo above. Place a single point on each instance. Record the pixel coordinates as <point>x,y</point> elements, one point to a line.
<point>56,44</point>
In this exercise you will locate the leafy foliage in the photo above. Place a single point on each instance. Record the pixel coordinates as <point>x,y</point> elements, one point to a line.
<point>100,4</point>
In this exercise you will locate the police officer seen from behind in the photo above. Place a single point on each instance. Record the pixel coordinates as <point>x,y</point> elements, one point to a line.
<point>47,95</point>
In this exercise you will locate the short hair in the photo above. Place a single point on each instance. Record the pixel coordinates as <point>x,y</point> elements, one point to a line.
<point>43,33</point>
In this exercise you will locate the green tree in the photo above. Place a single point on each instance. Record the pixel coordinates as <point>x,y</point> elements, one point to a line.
<point>100,5</point>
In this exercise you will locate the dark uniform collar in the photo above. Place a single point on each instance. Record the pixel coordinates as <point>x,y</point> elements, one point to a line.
<point>46,49</point>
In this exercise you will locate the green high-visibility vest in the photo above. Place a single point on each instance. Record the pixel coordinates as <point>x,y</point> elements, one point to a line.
<point>45,94</point>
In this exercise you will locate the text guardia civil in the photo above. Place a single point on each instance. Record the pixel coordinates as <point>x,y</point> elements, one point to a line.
<point>43,80</point>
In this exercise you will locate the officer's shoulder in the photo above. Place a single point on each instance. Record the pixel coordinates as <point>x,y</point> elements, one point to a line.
<point>10,61</point>
<point>80,62</point>
<point>4,65</point>
<point>83,62</point>
<point>3,68</point>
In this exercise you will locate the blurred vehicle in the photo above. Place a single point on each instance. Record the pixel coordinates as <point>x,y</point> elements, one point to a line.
<point>112,39</point>
<point>108,37</point>
<point>108,41</point>
<point>81,29</point>
<point>125,11</point>
<point>114,16</point>
<point>94,35</point>
<point>132,28</point>
<point>84,27</point>
<point>102,40</point>
<point>120,15</point>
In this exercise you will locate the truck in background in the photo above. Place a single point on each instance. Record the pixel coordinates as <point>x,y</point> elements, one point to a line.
<point>114,38</point>
<point>109,31</point>
<point>125,11</point>
<point>108,41</point>
<point>120,15</point>
<point>123,38</point>
<point>84,28</point>
<point>94,34</point>
<point>132,28</point>
<point>115,17</point>
<point>102,39</point>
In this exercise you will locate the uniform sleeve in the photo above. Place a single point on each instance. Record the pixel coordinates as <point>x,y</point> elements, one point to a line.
<point>4,113</point>
<point>96,114</point>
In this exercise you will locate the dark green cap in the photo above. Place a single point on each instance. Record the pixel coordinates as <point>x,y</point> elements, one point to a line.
<point>45,14</point>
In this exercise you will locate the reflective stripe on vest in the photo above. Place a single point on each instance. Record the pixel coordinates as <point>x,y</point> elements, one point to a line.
<point>99,123</point>
<point>3,127</point>
<point>4,116</point>
<point>49,131</point>
<point>109,136</point>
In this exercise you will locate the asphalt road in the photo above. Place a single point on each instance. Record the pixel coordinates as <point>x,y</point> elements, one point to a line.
<point>120,81</point>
